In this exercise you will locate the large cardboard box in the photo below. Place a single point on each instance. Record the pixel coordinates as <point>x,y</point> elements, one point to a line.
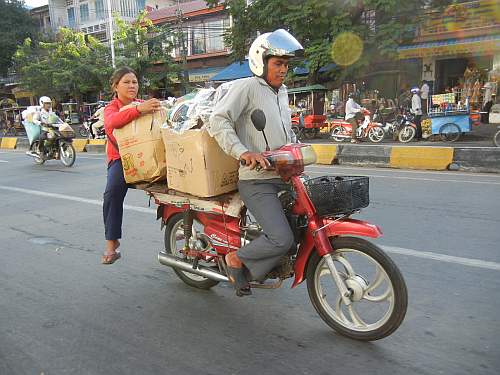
<point>141,148</point>
<point>197,165</point>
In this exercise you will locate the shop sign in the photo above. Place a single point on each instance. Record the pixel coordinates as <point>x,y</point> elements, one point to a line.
<point>456,48</point>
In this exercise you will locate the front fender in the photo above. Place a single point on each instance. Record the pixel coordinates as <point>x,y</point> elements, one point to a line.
<point>347,227</point>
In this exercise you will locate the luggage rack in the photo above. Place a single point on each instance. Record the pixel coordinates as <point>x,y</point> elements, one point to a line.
<point>229,204</point>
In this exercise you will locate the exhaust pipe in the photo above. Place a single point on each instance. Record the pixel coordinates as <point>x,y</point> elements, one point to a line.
<point>174,262</point>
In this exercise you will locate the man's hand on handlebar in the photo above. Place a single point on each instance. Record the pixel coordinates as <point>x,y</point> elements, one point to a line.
<point>254,159</point>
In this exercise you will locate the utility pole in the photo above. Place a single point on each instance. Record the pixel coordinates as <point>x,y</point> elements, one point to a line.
<point>185,73</point>
<point>111,39</point>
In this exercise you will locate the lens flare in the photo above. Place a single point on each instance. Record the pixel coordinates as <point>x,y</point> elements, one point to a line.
<point>347,49</point>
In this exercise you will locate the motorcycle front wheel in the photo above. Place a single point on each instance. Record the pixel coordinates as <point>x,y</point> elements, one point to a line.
<point>35,147</point>
<point>496,139</point>
<point>376,134</point>
<point>336,132</point>
<point>68,154</point>
<point>378,295</point>
<point>406,134</point>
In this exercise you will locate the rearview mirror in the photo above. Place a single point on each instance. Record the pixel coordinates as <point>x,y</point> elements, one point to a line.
<point>258,119</point>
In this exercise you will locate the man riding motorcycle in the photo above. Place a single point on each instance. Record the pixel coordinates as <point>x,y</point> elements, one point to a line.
<point>353,115</point>
<point>231,126</point>
<point>42,118</point>
<point>99,114</point>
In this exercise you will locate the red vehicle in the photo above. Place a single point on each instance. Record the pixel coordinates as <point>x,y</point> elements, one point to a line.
<point>353,285</point>
<point>342,129</point>
<point>308,102</point>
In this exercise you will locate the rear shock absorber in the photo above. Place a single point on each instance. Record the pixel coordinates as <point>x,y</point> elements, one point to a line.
<point>187,228</point>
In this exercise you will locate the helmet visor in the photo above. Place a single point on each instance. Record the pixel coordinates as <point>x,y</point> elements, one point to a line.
<point>281,43</point>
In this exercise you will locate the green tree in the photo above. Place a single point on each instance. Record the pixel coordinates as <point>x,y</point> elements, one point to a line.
<point>72,64</point>
<point>381,26</point>
<point>146,48</point>
<point>15,25</point>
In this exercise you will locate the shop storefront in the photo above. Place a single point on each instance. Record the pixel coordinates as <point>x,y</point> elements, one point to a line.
<point>451,44</point>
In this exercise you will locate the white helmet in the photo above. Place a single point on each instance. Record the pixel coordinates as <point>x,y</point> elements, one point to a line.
<point>279,43</point>
<point>44,99</point>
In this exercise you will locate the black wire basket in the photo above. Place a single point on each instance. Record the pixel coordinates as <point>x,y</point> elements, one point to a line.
<point>338,195</point>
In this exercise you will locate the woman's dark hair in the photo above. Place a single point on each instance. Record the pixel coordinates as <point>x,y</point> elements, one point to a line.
<point>118,75</point>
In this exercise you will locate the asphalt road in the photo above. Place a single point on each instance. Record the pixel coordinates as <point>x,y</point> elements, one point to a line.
<point>61,312</point>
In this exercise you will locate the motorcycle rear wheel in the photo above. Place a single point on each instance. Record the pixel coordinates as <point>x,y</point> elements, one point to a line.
<point>174,241</point>
<point>374,281</point>
<point>68,154</point>
<point>83,131</point>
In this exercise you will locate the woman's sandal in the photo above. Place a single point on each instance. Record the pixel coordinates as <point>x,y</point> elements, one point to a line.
<point>238,279</point>
<point>110,258</point>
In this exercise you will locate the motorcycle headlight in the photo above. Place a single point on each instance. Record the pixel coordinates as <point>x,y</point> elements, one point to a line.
<point>308,155</point>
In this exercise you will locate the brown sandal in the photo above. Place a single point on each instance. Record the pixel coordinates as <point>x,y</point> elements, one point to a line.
<point>110,258</point>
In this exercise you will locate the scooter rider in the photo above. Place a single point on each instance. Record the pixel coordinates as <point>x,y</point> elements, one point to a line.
<point>231,126</point>
<point>353,115</point>
<point>42,117</point>
<point>99,114</point>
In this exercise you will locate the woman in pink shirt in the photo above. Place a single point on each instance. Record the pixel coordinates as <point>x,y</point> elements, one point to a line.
<point>125,86</point>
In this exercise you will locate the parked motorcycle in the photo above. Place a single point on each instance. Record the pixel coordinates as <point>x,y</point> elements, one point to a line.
<point>399,127</point>
<point>342,130</point>
<point>353,285</point>
<point>86,130</point>
<point>55,142</point>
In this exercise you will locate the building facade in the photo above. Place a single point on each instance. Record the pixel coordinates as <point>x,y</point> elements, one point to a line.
<point>41,15</point>
<point>463,36</point>
<point>200,49</point>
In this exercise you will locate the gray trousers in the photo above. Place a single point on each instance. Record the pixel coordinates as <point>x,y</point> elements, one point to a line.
<point>261,198</point>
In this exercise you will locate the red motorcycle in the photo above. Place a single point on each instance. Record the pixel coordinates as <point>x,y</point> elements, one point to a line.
<point>353,285</point>
<point>342,129</point>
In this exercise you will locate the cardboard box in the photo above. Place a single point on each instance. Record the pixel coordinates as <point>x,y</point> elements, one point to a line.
<point>141,148</point>
<point>197,165</point>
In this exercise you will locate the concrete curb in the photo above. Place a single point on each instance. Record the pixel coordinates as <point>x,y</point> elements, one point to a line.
<point>96,149</point>
<point>8,143</point>
<point>471,159</point>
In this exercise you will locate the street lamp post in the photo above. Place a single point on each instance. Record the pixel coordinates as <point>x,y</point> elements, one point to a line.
<point>111,39</point>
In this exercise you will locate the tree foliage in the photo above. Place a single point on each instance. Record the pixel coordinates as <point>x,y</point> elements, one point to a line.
<point>382,26</point>
<point>72,64</point>
<point>15,25</point>
<point>144,46</point>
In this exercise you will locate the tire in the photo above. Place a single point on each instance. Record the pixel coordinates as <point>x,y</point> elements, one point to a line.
<point>35,147</point>
<point>199,282</point>
<point>297,132</point>
<point>346,249</point>
<point>83,131</point>
<point>496,139</point>
<point>449,132</point>
<point>311,133</point>
<point>406,134</point>
<point>67,154</point>
<point>336,131</point>
<point>376,134</point>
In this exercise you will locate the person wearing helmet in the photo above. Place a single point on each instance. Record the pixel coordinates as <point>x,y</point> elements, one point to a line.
<point>99,115</point>
<point>416,110</point>
<point>353,115</point>
<point>231,126</point>
<point>45,110</point>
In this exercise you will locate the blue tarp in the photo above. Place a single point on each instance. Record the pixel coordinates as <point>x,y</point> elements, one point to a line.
<point>303,70</point>
<point>234,71</point>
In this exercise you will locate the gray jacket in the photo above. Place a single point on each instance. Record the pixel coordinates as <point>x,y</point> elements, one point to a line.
<point>232,128</point>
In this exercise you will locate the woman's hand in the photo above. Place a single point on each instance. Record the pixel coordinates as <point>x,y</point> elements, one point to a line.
<point>149,106</point>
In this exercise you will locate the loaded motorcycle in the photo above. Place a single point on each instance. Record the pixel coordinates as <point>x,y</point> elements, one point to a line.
<point>51,140</point>
<point>353,285</point>
<point>342,129</point>
<point>86,130</point>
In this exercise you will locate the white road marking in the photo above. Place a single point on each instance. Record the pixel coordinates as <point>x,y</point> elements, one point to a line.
<point>470,262</point>
<point>96,202</point>
<point>425,179</point>
<point>3,161</point>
